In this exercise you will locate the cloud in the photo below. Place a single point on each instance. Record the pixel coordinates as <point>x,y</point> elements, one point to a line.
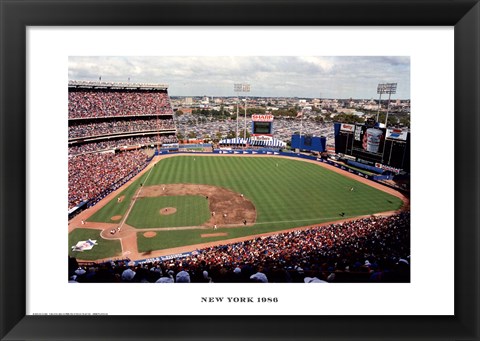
<point>320,64</point>
<point>276,76</point>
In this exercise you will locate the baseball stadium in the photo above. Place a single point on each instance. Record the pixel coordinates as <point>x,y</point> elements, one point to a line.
<point>147,206</point>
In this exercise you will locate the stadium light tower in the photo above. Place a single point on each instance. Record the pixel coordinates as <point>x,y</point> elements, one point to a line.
<point>386,88</point>
<point>300,114</point>
<point>242,87</point>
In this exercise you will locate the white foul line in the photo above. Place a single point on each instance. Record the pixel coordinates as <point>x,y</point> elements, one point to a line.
<point>133,201</point>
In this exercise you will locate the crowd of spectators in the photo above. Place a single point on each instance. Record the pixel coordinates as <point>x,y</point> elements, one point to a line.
<point>79,129</point>
<point>110,103</point>
<point>91,175</point>
<point>90,147</point>
<point>373,249</point>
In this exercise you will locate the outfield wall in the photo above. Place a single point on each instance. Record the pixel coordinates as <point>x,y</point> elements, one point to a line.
<point>364,166</point>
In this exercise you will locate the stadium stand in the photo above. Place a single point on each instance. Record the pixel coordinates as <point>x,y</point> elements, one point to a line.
<point>89,175</point>
<point>373,249</point>
<point>95,128</point>
<point>98,103</point>
<point>119,143</point>
<point>115,119</point>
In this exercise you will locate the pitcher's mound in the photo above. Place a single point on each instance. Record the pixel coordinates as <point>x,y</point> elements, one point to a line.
<point>149,234</point>
<point>168,210</point>
<point>116,217</point>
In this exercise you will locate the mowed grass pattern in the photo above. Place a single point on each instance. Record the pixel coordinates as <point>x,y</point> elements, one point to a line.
<point>190,211</point>
<point>282,190</point>
<point>286,193</point>
<point>104,249</point>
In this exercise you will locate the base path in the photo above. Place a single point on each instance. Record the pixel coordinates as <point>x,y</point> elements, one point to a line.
<point>128,234</point>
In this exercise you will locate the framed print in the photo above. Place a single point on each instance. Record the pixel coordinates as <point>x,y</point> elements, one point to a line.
<point>433,48</point>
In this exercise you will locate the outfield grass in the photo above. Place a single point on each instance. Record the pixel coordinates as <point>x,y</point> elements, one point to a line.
<point>191,211</point>
<point>294,191</point>
<point>104,249</point>
<point>286,193</point>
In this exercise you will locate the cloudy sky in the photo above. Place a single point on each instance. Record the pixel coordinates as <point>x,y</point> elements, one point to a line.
<point>292,76</point>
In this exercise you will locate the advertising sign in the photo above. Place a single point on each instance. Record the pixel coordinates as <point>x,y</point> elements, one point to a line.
<point>387,168</point>
<point>262,118</point>
<point>373,140</point>
<point>347,127</point>
<point>369,140</point>
<point>261,138</point>
<point>397,134</point>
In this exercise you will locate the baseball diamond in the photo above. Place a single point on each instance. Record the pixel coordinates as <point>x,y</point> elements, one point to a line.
<point>224,190</point>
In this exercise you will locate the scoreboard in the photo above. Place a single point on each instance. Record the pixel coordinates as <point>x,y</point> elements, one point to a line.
<point>262,125</point>
<point>262,128</point>
<point>386,148</point>
<point>309,143</point>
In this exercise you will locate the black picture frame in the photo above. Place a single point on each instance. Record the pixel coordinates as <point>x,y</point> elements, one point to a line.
<point>16,16</point>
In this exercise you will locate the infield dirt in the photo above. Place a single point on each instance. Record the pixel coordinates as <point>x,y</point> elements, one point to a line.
<point>220,201</point>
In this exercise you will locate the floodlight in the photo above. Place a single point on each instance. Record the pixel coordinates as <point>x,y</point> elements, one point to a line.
<point>242,87</point>
<point>387,88</point>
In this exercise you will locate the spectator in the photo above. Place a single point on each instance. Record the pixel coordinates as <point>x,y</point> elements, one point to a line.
<point>97,128</point>
<point>116,144</point>
<point>87,103</point>
<point>182,277</point>
<point>89,175</point>
<point>374,249</point>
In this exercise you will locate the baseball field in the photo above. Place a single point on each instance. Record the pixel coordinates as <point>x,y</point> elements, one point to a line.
<point>183,201</point>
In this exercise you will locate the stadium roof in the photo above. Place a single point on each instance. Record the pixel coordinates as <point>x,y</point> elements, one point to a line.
<point>115,85</point>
